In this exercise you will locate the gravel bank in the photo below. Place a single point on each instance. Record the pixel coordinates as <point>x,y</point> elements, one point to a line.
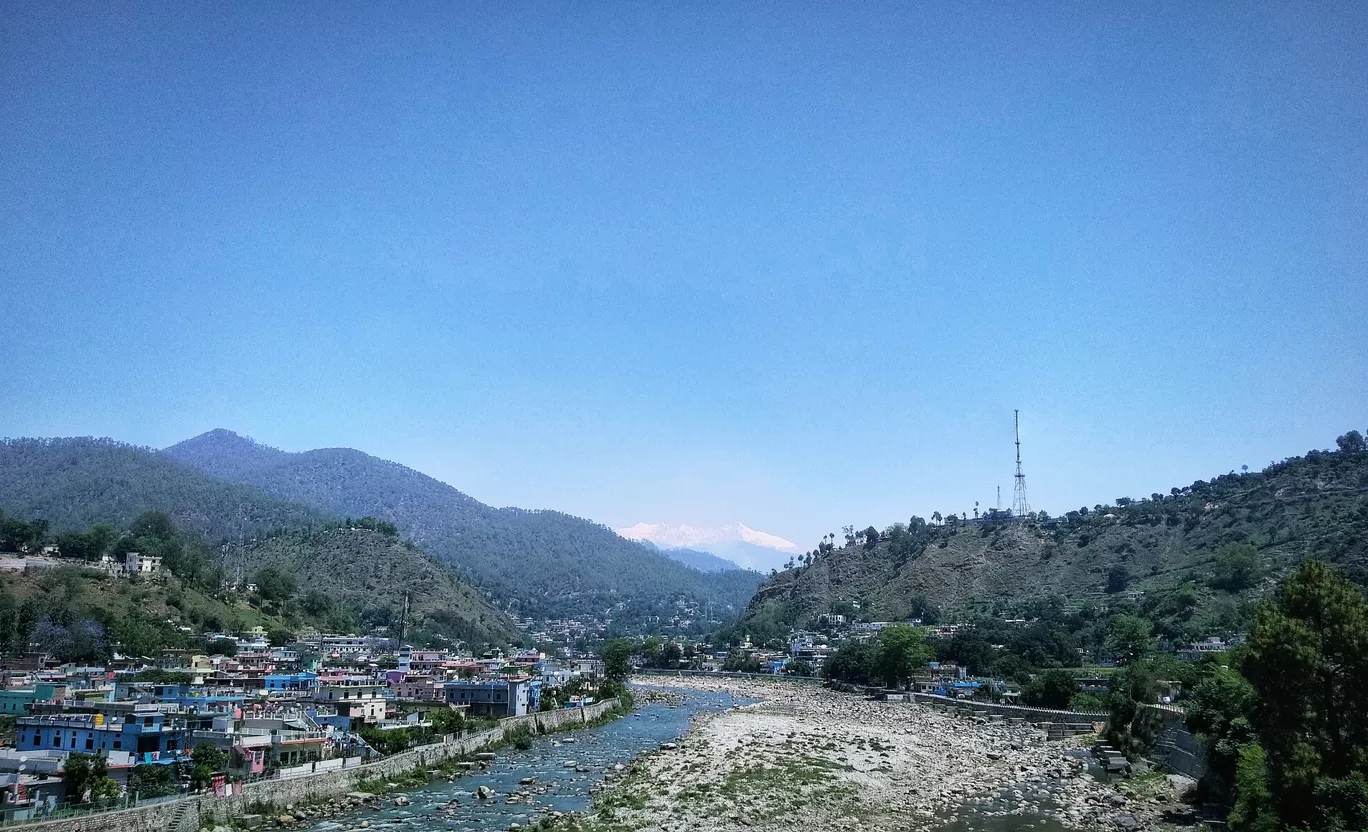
<point>805,757</point>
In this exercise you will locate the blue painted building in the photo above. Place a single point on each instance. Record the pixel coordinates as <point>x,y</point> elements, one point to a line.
<point>292,682</point>
<point>145,732</point>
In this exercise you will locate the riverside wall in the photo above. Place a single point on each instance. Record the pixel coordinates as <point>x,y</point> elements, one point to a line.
<point>185,815</point>
<point>1021,711</point>
<point>1028,713</point>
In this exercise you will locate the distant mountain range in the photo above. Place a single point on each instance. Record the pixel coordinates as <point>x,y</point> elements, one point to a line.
<point>734,542</point>
<point>541,563</point>
<point>702,561</point>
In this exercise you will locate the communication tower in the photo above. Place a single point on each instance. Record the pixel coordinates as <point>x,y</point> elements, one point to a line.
<point>1020,507</point>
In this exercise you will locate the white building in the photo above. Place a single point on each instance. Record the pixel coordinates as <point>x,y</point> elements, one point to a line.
<point>357,698</point>
<point>140,564</point>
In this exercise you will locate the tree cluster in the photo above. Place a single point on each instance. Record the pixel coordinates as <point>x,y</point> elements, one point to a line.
<point>891,658</point>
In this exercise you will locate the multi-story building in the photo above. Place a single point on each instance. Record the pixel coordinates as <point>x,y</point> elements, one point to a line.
<point>300,683</point>
<point>357,697</point>
<point>136,563</point>
<point>495,697</point>
<point>415,687</point>
<point>19,702</point>
<point>144,730</point>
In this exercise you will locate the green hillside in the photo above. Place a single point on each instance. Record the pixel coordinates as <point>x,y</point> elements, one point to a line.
<point>1198,553</point>
<point>223,529</point>
<point>541,563</point>
<point>79,614</point>
<point>361,576</point>
<point>76,483</point>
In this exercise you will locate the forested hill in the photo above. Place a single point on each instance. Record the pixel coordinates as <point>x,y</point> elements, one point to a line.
<point>1197,553</point>
<point>547,563</point>
<point>357,578</point>
<point>76,483</point>
<point>349,573</point>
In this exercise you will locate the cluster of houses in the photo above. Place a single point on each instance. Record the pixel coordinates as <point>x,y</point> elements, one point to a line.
<point>683,616</point>
<point>130,563</point>
<point>271,711</point>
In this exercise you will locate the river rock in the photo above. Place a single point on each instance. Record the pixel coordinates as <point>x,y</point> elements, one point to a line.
<point>484,792</point>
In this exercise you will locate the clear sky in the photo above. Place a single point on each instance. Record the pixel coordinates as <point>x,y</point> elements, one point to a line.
<point>789,264</point>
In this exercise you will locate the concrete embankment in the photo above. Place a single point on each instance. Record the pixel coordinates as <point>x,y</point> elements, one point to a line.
<point>186,815</point>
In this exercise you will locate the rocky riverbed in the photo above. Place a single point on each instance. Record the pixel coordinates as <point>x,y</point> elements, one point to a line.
<point>805,757</point>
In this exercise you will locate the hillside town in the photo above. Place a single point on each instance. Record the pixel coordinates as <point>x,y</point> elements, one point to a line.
<point>145,728</point>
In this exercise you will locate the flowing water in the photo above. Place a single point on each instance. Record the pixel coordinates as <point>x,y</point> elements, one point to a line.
<point>558,787</point>
<point>566,765</point>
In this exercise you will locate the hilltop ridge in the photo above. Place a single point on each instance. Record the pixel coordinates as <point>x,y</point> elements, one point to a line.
<point>541,563</point>
<point>1149,549</point>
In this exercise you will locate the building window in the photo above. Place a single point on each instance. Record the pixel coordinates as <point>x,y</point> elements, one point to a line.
<point>90,743</point>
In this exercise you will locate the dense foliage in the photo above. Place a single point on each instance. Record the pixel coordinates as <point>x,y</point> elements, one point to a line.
<point>889,659</point>
<point>1284,720</point>
<point>1307,663</point>
<point>351,578</point>
<point>76,484</point>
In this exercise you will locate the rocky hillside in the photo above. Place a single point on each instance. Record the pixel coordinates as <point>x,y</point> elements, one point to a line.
<point>1311,506</point>
<point>367,573</point>
<point>543,563</point>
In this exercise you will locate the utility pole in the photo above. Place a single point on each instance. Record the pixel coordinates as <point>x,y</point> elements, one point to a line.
<point>1020,506</point>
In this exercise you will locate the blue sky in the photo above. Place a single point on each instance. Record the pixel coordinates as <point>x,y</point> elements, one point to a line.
<point>788,264</point>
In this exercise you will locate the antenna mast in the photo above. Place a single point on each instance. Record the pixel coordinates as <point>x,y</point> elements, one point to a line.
<point>1020,507</point>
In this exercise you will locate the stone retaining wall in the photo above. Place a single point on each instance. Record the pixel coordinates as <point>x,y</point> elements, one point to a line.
<point>184,815</point>
<point>1025,712</point>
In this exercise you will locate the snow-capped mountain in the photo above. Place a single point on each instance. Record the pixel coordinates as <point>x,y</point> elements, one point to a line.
<point>737,542</point>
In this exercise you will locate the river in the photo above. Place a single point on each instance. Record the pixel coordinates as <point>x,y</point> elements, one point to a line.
<point>453,806</point>
<point>558,787</point>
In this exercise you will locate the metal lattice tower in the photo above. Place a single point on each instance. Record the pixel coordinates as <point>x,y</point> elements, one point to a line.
<point>1020,507</point>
